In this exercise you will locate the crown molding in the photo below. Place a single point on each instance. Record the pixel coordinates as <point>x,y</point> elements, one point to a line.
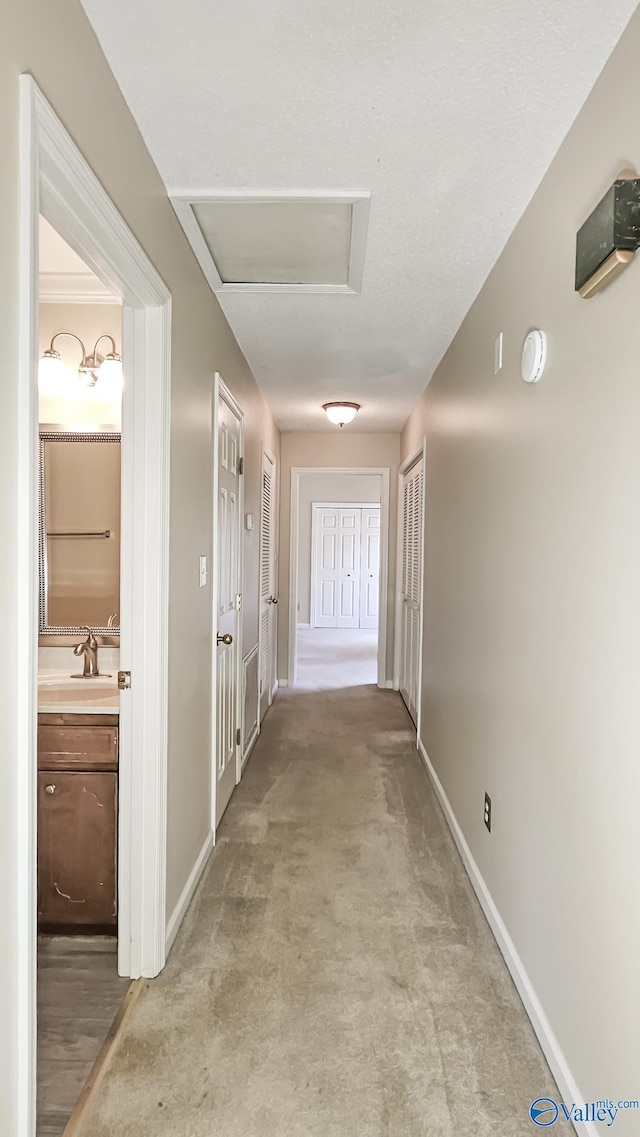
<point>73,288</point>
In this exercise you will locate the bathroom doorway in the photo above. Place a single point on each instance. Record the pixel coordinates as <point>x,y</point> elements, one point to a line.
<point>60,186</point>
<point>79,493</point>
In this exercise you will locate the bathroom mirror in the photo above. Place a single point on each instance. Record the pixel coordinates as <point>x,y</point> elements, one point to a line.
<point>79,532</point>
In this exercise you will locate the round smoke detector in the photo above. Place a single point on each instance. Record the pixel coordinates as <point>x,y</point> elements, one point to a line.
<point>534,356</point>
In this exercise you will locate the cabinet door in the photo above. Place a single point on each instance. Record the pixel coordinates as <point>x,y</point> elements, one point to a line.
<point>77,848</point>
<point>77,747</point>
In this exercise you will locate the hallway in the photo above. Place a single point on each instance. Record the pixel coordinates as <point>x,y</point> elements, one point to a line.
<point>334,976</point>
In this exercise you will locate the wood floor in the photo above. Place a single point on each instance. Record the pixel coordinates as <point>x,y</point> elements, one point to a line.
<point>79,993</point>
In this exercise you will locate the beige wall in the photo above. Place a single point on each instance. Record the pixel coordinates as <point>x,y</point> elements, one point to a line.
<point>325,487</point>
<point>532,615</point>
<point>55,43</point>
<point>87,405</point>
<point>342,449</point>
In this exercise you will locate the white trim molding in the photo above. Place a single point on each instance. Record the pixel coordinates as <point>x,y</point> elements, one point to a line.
<point>57,182</point>
<point>360,200</point>
<point>294,525</point>
<point>186,896</point>
<point>73,288</point>
<point>546,1037</point>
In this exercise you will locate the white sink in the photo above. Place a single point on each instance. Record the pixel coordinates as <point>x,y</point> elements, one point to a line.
<point>62,692</point>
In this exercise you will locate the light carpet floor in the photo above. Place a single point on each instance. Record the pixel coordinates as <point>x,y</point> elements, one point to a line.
<point>332,657</point>
<point>334,976</point>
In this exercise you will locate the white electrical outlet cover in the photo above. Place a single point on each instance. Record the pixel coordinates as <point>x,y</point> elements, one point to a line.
<point>534,356</point>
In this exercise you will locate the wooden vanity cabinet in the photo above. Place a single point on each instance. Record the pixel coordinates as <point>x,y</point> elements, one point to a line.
<point>77,822</point>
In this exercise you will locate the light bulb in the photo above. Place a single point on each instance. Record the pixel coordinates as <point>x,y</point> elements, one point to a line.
<point>341,413</point>
<point>110,373</point>
<point>52,373</point>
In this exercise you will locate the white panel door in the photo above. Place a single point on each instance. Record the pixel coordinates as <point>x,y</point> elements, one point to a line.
<point>228,587</point>
<point>268,583</point>
<point>336,583</point>
<point>345,581</point>
<point>326,568</point>
<point>370,567</point>
<point>410,584</point>
<point>348,572</point>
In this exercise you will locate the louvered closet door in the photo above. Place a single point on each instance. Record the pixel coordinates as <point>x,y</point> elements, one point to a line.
<point>411,577</point>
<point>268,584</point>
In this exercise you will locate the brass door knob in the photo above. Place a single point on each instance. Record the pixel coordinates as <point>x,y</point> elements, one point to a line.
<point>49,789</point>
<point>226,639</point>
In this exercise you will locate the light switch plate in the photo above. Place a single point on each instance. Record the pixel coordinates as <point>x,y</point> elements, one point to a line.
<point>497,354</point>
<point>203,572</point>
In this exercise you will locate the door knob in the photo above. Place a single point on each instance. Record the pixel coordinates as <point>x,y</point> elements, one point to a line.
<point>272,600</point>
<point>49,789</point>
<point>226,639</point>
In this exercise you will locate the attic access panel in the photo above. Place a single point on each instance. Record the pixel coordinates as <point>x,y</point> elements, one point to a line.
<point>281,243</point>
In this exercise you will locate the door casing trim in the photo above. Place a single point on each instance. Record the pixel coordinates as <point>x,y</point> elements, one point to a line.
<point>57,181</point>
<point>294,525</point>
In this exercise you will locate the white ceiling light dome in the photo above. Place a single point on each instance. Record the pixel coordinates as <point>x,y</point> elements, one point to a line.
<point>341,413</point>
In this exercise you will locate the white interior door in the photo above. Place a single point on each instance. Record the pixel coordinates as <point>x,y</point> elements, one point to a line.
<point>348,576</point>
<point>268,583</point>
<point>410,584</point>
<point>370,567</point>
<point>336,571</point>
<point>228,534</point>
<point>325,572</point>
<point>346,566</point>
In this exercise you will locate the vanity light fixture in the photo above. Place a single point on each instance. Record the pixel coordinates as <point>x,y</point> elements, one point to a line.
<point>341,413</point>
<point>91,368</point>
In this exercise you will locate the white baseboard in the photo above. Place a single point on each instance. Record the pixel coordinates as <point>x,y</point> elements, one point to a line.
<point>387,685</point>
<point>304,625</point>
<point>250,745</point>
<point>539,1021</point>
<point>184,900</point>
<point>283,682</point>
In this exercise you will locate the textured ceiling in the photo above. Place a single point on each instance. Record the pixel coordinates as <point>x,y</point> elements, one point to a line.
<point>449,113</point>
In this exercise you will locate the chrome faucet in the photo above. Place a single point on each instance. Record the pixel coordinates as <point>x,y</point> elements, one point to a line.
<point>88,648</point>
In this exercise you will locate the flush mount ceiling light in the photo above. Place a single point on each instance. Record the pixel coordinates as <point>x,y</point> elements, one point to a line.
<point>341,413</point>
<point>91,367</point>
